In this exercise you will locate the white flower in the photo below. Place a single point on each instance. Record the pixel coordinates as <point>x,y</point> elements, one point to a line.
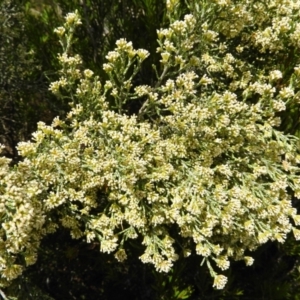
<point>286,92</point>
<point>205,80</point>
<point>60,31</point>
<point>88,73</point>
<point>164,266</point>
<point>108,246</point>
<point>223,263</point>
<point>249,260</point>
<point>73,18</point>
<point>275,75</point>
<point>296,219</point>
<point>203,250</point>
<point>171,4</point>
<point>165,57</point>
<point>296,233</point>
<point>142,54</point>
<point>220,282</point>
<point>112,56</point>
<point>279,105</point>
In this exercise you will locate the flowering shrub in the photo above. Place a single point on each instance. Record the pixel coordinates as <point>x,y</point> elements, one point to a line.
<point>202,166</point>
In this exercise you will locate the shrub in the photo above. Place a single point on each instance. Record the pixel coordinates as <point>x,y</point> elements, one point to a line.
<point>201,167</point>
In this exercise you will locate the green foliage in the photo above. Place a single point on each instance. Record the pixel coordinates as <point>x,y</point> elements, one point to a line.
<point>16,62</point>
<point>103,22</point>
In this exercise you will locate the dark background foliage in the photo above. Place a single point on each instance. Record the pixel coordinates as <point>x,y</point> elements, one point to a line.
<point>72,269</point>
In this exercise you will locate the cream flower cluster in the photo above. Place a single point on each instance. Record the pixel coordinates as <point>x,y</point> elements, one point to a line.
<point>203,156</point>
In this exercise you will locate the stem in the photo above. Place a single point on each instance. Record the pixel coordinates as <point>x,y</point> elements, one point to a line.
<point>161,76</point>
<point>165,70</point>
<point>3,295</point>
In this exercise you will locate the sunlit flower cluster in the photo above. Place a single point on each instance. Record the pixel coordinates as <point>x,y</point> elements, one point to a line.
<point>203,154</point>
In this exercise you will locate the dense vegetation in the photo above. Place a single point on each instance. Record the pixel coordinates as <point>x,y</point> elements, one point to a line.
<point>151,149</point>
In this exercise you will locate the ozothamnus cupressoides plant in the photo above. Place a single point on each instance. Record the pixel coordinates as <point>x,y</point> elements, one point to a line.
<point>203,154</point>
